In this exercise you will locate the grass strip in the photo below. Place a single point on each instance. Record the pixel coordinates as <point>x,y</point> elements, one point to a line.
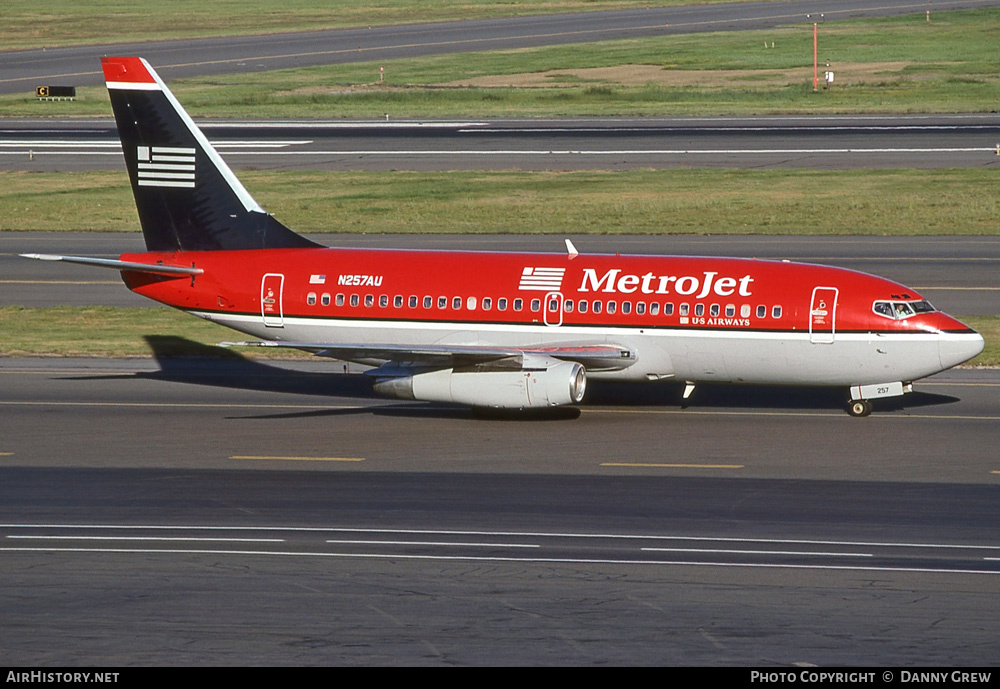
<point>897,64</point>
<point>107,331</point>
<point>765,202</point>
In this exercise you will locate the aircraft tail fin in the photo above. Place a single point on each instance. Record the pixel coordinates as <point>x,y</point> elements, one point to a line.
<point>187,197</point>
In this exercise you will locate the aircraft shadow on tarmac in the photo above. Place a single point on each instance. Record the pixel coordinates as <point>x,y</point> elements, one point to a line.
<point>183,361</point>
<point>749,397</point>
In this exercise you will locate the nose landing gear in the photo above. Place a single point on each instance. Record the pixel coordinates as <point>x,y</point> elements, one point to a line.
<point>859,408</point>
<point>860,404</point>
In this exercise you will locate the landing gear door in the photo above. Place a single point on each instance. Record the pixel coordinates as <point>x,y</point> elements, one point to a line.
<point>823,315</point>
<point>271,308</point>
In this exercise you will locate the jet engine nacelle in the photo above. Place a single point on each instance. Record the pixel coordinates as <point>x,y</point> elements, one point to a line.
<point>563,382</point>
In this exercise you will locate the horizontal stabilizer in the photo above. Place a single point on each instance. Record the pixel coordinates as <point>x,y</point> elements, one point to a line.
<point>157,268</point>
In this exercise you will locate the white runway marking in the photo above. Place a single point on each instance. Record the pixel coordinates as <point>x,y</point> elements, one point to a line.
<point>445,538</point>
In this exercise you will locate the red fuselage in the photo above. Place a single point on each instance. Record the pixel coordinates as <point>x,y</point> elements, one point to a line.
<point>693,318</point>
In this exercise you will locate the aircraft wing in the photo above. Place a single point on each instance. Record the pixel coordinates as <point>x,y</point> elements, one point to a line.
<point>593,357</point>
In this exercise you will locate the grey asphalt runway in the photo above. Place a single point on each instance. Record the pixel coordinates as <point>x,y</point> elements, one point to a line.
<point>21,71</point>
<point>865,142</point>
<point>208,513</point>
<point>204,414</point>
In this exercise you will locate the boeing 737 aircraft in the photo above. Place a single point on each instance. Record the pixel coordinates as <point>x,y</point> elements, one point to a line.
<point>504,330</point>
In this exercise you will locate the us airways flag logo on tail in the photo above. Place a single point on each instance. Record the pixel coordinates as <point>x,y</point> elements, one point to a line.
<point>541,279</point>
<point>166,166</point>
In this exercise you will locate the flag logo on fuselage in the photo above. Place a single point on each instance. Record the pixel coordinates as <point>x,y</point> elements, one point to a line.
<point>541,279</point>
<point>165,166</point>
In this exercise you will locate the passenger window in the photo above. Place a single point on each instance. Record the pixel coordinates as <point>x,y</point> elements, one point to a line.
<point>340,300</point>
<point>714,310</point>
<point>470,303</point>
<point>442,302</point>
<point>413,301</point>
<point>597,307</point>
<point>325,300</point>
<point>745,311</point>
<point>369,300</point>
<point>536,304</point>
<point>354,300</point>
<point>383,301</point>
<point>654,308</point>
<point>487,303</point>
<point>456,303</point>
<point>730,310</point>
<point>428,302</point>
<point>626,307</point>
<point>311,299</point>
<point>776,312</point>
<point>761,311</point>
<point>699,309</point>
<point>518,304</point>
<point>502,304</point>
<point>398,301</point>
<point>568,306</point>
<point>668,309</point>
<point>583,306</point>
<point>612,306</point>
<point>640,308</point>
<point>684,309</point>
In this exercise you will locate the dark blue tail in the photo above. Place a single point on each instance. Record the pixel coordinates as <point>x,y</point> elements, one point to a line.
<point>187,197</point>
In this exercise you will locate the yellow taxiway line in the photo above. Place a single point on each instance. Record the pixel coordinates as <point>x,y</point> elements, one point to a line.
<point>300,459</point>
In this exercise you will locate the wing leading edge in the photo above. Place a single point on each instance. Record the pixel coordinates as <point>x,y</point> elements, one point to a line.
<point>405,358</point>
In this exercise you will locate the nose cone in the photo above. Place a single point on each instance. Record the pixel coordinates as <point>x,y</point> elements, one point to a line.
<point>957,349</point>
<point>958,343</point>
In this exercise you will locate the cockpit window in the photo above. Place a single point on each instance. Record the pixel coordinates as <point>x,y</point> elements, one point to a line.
<point>883,308</point>
<point>898,310</point>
